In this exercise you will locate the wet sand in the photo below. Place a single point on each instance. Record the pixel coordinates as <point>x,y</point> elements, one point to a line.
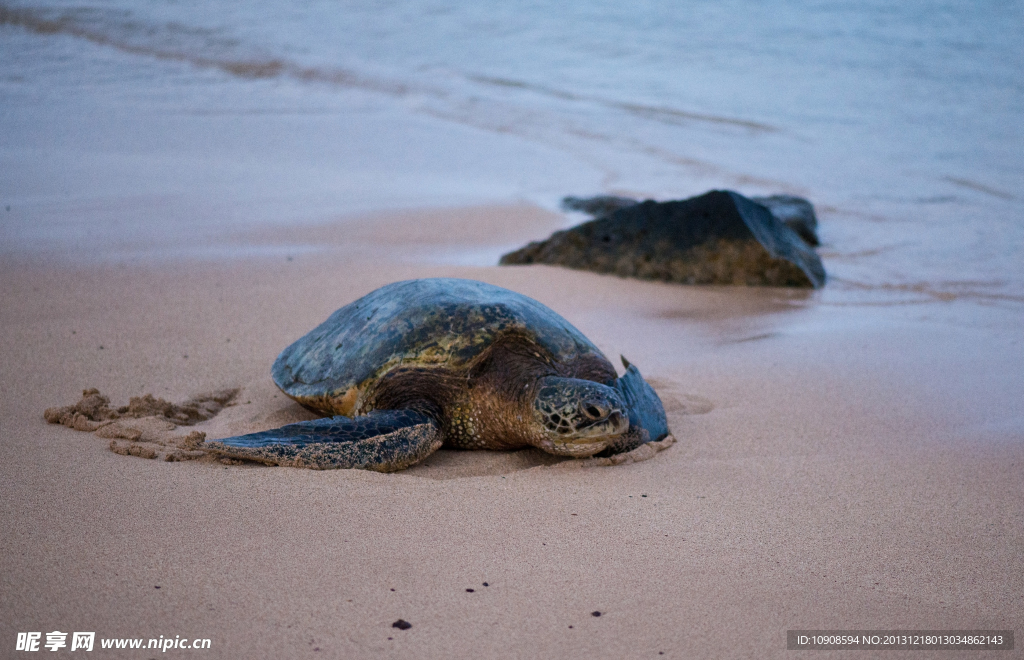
<point>844,461</point>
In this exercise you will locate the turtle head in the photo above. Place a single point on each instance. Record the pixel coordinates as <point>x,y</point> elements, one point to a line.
<point>578,417</point>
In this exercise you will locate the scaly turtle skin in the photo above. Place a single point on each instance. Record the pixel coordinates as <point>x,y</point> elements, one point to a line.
<point>423,363</point>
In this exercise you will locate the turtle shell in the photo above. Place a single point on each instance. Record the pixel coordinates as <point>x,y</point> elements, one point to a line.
<point>428,323</point>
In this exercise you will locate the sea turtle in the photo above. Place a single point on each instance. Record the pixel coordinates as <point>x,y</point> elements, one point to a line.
<point>423,363</point>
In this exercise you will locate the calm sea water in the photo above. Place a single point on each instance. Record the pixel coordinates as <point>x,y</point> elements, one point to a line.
<point>903,122</point>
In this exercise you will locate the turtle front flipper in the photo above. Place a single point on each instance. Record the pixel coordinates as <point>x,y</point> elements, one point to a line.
<point>647,421</point>
<point>384,441</point>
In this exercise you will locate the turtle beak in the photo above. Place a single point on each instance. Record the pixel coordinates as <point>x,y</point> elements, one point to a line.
<point>576,447</point>
<point>603,434</point>
<point>618,422</point>
<point>578,417</point>
<point>605,416</point>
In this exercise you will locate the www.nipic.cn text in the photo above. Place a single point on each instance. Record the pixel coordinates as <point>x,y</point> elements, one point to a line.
<point>84,641</point>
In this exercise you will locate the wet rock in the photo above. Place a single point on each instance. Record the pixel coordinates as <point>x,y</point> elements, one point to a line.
<point>598,206</point>
<point>720,237</point>
<point>796,212</point>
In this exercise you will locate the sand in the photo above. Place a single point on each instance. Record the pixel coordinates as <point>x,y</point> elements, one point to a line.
<point>842,463</point>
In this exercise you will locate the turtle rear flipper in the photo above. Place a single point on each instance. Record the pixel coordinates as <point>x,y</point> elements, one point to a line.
<point>384,440</point>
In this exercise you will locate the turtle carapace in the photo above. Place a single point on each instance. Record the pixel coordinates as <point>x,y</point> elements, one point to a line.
<point>426,363</point>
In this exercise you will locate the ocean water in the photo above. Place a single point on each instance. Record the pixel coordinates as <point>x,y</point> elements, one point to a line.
<point>902,122</point>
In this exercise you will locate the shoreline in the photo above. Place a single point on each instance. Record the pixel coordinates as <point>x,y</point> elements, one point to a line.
<point>839,465</point>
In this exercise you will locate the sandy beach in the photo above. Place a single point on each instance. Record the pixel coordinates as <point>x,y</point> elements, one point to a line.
<point>186,188</point>
<point>839,466</point>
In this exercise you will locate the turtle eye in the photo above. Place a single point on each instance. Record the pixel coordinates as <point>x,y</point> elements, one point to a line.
<point>593,411</point>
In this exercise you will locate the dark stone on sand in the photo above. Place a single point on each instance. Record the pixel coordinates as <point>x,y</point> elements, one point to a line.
<point>401,624</point>
<point>598,206</point>
<point>796,212</point>
<point>720,237</point>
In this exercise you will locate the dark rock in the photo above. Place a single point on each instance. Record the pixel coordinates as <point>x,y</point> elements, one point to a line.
<point>401,624</point>
<point>720,237</point>
<point>796,212</point>
<point>598,206</point>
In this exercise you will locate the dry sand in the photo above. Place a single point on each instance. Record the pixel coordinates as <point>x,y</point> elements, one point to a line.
<point>839,466</point>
